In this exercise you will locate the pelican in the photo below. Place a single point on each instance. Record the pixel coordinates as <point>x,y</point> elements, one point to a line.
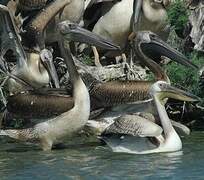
<point>73,11</point>
<point>116,23</point>
<point>34,66</point>
<point>140,136</point>
<point>148,47</point>
<point>53,130</point>
<point>97,126</point>
<point>108,94</point>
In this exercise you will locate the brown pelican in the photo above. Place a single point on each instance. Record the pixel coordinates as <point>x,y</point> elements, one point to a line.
<point>108,94</point>
<point>33,66</point>
<point>98,125</point>
<point>53,130</point>
<point>146,45</point>
<point>73,11</point>
<point>140,136</point>
<point>116,23</point>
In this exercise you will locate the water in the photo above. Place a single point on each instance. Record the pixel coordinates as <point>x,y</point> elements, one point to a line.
<point>92,161</point>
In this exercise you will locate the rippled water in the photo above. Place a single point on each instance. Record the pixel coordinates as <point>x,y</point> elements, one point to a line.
<point>92,161</point>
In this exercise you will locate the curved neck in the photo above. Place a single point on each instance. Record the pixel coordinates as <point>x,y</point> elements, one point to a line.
<point>66,54</point>
<point>165,121</point>
<point>80,92</point>
<point>152,65</point>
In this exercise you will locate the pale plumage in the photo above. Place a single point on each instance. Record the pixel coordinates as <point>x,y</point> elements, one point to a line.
<point>121,92</point>
<point>111,122</point>
<point>53,130</point>
<point>113,93</point>
<point>138,137</point>
<point>116,22</point>
<point>33,66</point>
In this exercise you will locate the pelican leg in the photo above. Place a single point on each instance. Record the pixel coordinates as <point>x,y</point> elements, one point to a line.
<point>117,59</point>
<point>131,58</point>
<point>96,57</point>
<point>46,144</point>
<point>124,58</point>
<point>130,73</point>
<point>137,6</point>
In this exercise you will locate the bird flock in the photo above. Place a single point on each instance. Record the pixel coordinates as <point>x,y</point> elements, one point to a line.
<point>42,40</point>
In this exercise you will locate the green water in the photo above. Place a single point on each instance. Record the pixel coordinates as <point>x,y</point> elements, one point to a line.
<point>92,161</point>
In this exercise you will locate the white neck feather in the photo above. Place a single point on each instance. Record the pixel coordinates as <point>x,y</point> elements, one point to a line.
<point>153,14</point>
<point>172,140</point>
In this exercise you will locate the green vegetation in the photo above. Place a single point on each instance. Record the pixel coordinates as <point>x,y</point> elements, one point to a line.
<point>87,60</point>
<point>178,15</point>
<point>185,77</point>
<point>178,74</point>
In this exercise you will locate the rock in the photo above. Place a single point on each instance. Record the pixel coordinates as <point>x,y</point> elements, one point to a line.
<point>196,18</point>
<point>91,74</point>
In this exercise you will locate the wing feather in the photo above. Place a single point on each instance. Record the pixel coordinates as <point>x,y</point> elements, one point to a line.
<point>134,125</point>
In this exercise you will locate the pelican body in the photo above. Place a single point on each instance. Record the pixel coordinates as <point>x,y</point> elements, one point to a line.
<point>116,23</point>
<point>69,10</point>
<point>114,93</point>
<point>111,93</point>
<point>53,130</point>
<point>73,11</point>
<point>34,67</point>
<point>33,72</point>
<point>139,136</point>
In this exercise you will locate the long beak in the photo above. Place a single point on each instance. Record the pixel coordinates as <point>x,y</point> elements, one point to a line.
<point>9,38</point>
<point>73,32</point>
<point>156,45</point>
<point>47,60</point>
<point>137,6</point>
<point>176,93</point>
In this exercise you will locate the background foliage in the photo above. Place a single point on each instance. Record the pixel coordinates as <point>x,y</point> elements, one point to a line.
<point>179,75</point>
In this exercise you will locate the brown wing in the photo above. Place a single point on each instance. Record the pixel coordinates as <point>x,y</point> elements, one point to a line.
<point>134,125</point>
<point>39,106</point>
<point>118,92</point>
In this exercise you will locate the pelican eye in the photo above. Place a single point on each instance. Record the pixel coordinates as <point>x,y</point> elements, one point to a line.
<point>153,35</point>
<point>72,26</point>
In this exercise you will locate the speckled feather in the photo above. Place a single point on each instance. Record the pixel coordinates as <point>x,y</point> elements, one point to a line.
<point>35,28</point>
<point>23,134</point>
<point>31,4</point>
<point>118,92</point>
<point>134,125</point>
<point>36,105</point>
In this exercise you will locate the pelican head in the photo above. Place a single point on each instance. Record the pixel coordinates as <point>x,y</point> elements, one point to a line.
<point>149,44</point>
<point>37,71</point>
<point>164,90</point>
<point>73,32</point>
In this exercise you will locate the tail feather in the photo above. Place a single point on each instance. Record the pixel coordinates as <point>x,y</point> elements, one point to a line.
<point>3,133</point>
<point>11,133</point>
<point>23,134</point>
